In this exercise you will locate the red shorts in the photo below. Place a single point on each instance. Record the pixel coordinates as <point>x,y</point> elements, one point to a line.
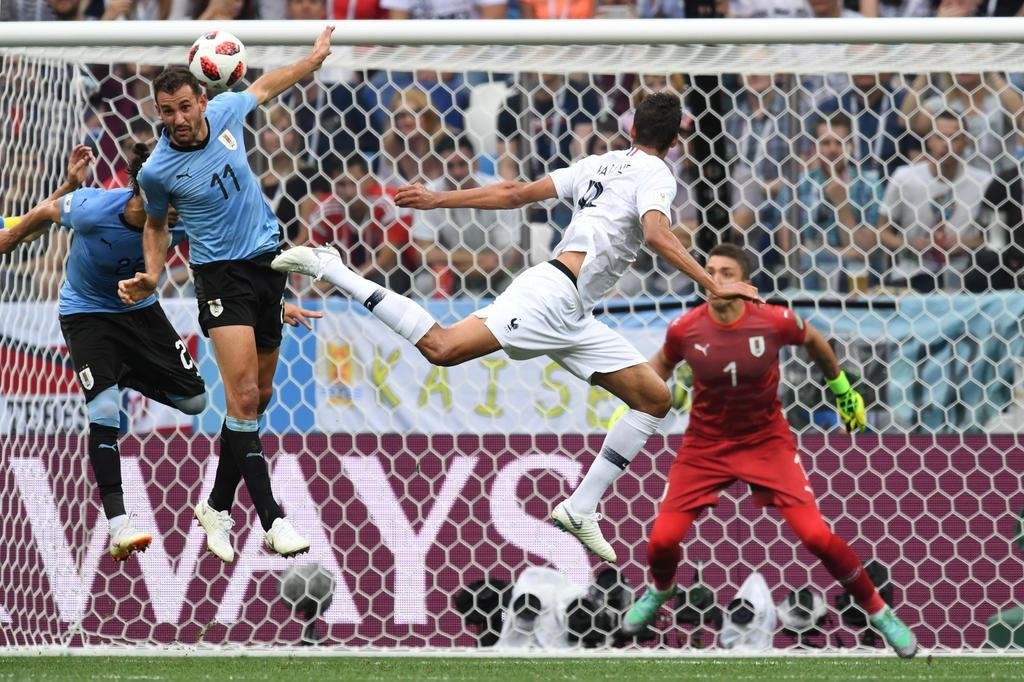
<point>769,462</point>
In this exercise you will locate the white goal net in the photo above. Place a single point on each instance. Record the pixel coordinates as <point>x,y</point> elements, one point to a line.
<point>879,186</point>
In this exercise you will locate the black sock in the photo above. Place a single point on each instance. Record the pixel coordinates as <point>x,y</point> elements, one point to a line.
<point>247,452</point>
<point>106,466</point>
<point>228,475</point>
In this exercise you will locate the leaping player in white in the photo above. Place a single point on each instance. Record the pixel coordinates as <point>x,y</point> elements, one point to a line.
<point>621,200</point>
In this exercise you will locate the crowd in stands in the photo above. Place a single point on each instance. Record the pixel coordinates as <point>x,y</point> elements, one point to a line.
<point>843,184</point>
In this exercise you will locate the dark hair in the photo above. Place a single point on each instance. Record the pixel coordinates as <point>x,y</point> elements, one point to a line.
<point>835,121</point>
<point>140,152</point>
<point>449,143</point>
<point>657,120</point>
<point>173,78</point>
<point>727,250</point>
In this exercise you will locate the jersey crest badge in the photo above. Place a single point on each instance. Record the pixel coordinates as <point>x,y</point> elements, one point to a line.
<point>228,140</point>
<point>85,376</point>
<point>216,307</point>
<point>757,346</point>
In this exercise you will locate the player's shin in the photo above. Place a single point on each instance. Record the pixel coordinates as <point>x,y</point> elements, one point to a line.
<point>625,439</point>
<point>228,475</point>
<point>106,466</point>
<point>242,436</point>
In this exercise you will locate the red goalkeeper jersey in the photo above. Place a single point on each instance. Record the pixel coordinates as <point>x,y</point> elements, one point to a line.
<point>735,367</point>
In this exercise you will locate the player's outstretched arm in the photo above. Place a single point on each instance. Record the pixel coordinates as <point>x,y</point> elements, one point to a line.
<point>500,195</point>
<point>30,224</point>
<point>849,403</point>
<point>273,83</point>
<point>78,167</point>
<point>661,239</point>
<point>156,239</point>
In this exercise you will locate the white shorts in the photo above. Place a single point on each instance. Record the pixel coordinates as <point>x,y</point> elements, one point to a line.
<point>540,313</point>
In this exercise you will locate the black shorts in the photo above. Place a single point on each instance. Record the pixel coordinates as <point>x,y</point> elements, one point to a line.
<point>242,292</point>
<point>137,349</point>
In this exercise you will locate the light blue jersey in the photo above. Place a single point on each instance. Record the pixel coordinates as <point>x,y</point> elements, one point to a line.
<point>216,193</point>
<point>104,250</point>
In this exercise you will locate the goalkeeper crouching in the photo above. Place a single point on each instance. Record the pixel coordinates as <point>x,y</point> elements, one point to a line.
<point>737,431</point>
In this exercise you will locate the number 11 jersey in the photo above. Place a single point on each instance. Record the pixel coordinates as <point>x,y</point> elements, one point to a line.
<point>215,192</point>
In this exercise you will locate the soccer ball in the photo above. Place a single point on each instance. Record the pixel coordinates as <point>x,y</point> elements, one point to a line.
<point>217,59</point>
<point>308,589</point>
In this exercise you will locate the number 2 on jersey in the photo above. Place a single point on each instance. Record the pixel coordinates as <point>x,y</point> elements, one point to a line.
<point>215,181</point>
<point>594,190</point>
<point>731,369</point>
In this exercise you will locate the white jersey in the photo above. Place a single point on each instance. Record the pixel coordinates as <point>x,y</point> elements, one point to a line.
<point>610,193</point>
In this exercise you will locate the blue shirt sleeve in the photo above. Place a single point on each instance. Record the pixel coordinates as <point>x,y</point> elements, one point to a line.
<point>154,194</point>
<point>76,212</point>
<point>231,105</point>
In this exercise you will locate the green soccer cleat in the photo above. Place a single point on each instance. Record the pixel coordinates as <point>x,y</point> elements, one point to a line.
<point>895,631</point>
<point>644,610</point>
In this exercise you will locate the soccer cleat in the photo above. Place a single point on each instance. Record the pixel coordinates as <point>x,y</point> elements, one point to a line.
<point>585,528</point>
<point>218,525</point>
<point>304,260</point>
<point>283,539</point>
<point>644,610</point>
<point>895,632</point>
<point>126,540</point>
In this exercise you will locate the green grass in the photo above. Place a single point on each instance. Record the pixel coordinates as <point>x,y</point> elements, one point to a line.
<point>308,669</point>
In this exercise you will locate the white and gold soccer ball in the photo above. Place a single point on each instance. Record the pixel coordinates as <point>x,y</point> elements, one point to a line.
<point>217,59</point>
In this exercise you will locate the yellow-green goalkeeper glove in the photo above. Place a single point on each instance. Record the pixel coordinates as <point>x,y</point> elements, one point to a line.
<point>849,403</point>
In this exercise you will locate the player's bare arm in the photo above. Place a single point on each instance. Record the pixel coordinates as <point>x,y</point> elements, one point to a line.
<point>822,354</point>
<point>34,223</point>
<point>156,239</point>
<point>659,236</point>
<point>497,196</point>
<point>271,84</point>
<point>661,365</point>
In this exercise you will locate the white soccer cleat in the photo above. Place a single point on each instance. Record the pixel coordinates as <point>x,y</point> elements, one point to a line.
<point>127,540</point>
<point>283,539</point>
<point>305,261</point>
<point>585,528</point>
<point>218,525</point>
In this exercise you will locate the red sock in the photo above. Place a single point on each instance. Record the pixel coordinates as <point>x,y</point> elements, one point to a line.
<point>663,550</point>
<point>837,556</point>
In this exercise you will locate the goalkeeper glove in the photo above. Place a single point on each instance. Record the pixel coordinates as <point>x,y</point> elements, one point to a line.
<point>849,403</point>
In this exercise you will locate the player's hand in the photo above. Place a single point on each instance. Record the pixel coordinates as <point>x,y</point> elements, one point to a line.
<point>322,47</point>
<point>294,315</point>
<point>741,290</point>
<point>78,164</point>
<point>850,406</point>
<point>133,290</point>
<point>416,196</point>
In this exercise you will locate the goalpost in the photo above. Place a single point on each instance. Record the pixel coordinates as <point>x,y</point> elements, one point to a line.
<point>414,482</point>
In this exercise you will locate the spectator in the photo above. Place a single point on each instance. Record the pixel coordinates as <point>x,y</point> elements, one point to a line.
<point>830,9</point>
<point>109,10</point>
<point>357,9</point>
<point>897,8</point>
<point>768,9</point>
<point>759,135</point>
<point>1004,208</point>
<point>477,248</point>
<point>880,141</point>
<point>40,10</point>
<point>834,199</point>
<point>445,9</point>
<point>224,10</point>
<point>988,105</point>
<point>557,9</point>
<point>928,216</point>
<point>541,127</point>
<point>406,151</point>
<point>607,137</point>
<point>284,178</point>
<point>361,220</point>
<point>448,92</point>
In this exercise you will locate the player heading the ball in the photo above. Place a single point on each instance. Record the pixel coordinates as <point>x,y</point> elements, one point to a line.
<point>621,199</point>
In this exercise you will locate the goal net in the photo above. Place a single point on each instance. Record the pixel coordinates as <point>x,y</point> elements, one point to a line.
<point>889,224</point>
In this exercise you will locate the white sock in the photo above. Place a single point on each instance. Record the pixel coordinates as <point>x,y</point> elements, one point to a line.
<point>625,439</point>
<point>403,315</point>
<point>117,523</point>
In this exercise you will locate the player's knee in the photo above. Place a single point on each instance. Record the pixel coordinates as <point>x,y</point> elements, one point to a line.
<point>657,401</point>
<point>244,398</point>
<point>103,409</point>
<point>192,405</point>
<point>266,395</point>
